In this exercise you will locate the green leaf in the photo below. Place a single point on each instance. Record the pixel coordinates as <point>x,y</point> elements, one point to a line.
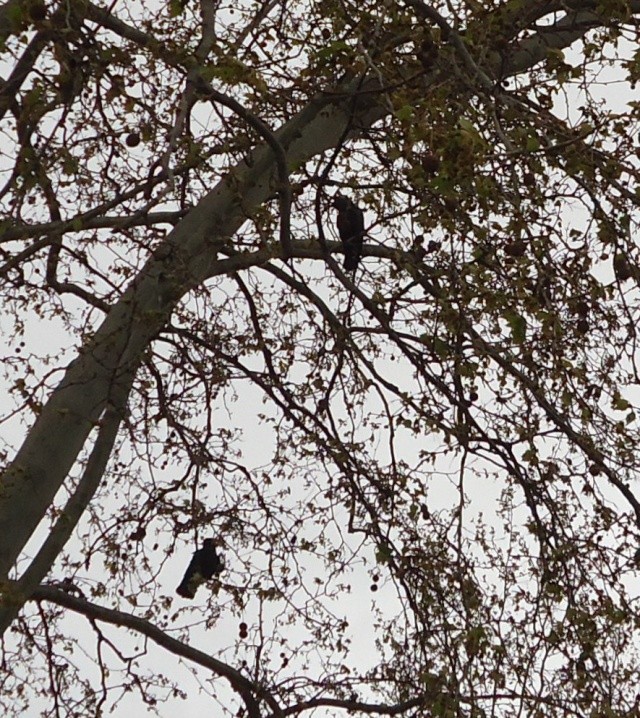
<point>533,144</point>
<point>383,554</point>
<point>518,326</point>
<point>16,16</point>
<point>465,124</point>
<point>555,53</point>
<point>620,403</point>
<point>441,348</point>
<point>176,8</point>
<point>468,130</point>
<point>333,49</point>
<point>404,113</point>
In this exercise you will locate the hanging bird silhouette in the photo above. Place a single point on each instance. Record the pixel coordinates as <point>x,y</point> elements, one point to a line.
<point>350,222</point>
<point>205,562</point>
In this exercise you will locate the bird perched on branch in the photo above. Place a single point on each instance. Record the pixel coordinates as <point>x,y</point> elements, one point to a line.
<point>350,222</point>
<point>204,564</point>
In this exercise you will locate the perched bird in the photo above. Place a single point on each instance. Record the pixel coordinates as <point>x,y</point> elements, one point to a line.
<point>350,222</point>
<point>205,562</point>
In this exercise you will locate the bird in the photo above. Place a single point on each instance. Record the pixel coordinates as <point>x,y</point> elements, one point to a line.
<point>350,223</point>
<point>204,563</point>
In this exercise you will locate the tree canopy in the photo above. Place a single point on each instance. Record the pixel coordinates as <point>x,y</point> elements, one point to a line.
<point>422,476</point>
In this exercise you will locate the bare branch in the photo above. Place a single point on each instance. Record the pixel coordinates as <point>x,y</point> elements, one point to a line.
<point>250,693</point>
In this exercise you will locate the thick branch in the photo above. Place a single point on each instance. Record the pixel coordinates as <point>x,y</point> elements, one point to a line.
<point>9,89</point>
<point>73,510</point>
<point>186,259</point>
<point>561,34</point>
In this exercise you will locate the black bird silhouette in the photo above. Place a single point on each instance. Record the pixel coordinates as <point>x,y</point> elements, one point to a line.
<point>350,222</point>
<point>205,562</point>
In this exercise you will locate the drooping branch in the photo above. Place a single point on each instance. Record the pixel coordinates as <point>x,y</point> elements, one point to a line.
<point>251,694</point>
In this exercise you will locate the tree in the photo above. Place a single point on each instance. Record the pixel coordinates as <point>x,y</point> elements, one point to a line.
<point>447,439</point>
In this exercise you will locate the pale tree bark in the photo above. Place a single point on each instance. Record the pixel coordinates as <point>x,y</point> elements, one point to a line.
<point>189,256</point>
<point>195,250</point>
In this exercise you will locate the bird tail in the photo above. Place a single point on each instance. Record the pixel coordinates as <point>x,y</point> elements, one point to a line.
<point>351,262</point>
<point>185,589</point>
